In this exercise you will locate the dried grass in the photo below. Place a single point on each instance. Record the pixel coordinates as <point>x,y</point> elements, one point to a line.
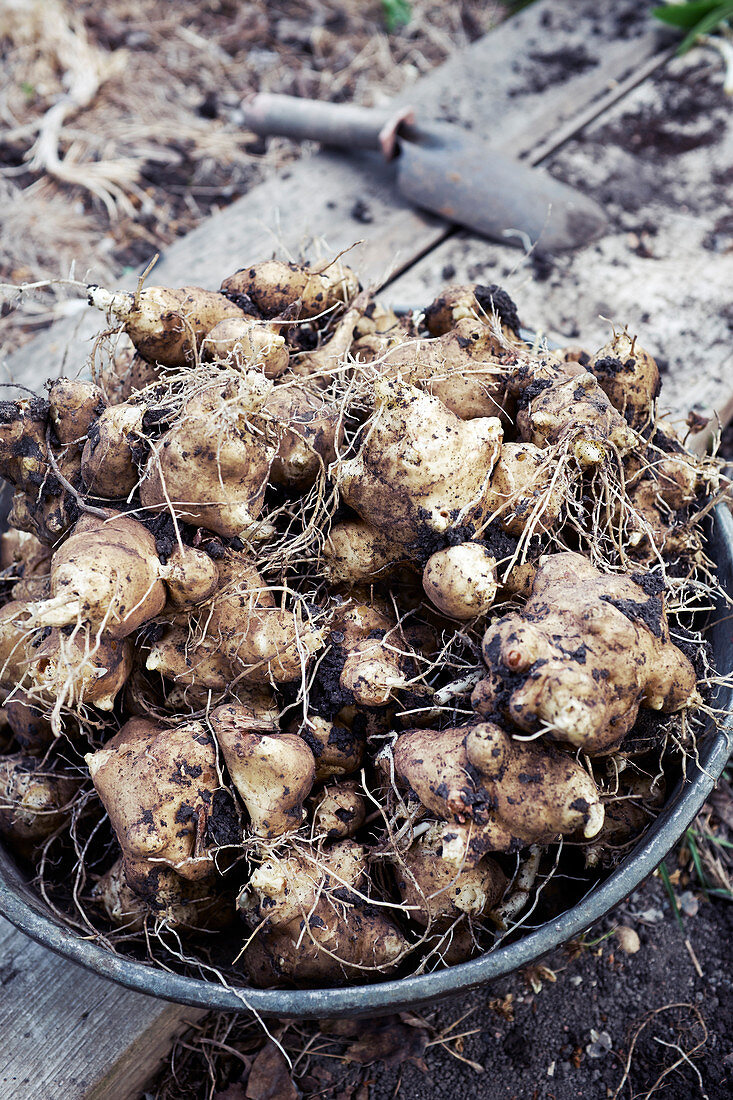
<point>121,124</point>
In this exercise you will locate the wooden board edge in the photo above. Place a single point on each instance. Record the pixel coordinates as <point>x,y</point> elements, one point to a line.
<point>138,1066</point>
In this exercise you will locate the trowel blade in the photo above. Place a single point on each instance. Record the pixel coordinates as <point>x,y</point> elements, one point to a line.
<point>468,182</point>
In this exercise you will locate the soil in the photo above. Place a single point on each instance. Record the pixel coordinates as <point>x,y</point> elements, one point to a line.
<point>549,1051</point>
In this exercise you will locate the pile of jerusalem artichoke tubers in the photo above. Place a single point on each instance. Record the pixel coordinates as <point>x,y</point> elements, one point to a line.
<point>329,635</point>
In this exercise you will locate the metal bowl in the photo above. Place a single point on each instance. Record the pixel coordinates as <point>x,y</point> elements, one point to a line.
<point>27,911</point>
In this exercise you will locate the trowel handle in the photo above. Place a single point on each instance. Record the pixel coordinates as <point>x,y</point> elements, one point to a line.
<point>330,123</point>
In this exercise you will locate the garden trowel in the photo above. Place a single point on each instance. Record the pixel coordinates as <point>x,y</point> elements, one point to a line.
<point>444,169</point>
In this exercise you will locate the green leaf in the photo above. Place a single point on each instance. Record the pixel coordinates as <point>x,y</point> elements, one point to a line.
<point>709,23</point>
<point>397,13</point>
<point>696,17</point>
<point>722,894</point>
<point>721,841</point>
<point>685,15</point>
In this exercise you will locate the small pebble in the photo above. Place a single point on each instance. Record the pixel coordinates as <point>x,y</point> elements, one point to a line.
<point>651,916</point>
<point>600,1044</point>
<point>689,904</point>
<point>628,939</point>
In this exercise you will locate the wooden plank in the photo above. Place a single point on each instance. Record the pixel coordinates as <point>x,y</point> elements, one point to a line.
<point>547,71</point>
<point>68,1033</point>
<point>556,137</point>
<point>532,76</point>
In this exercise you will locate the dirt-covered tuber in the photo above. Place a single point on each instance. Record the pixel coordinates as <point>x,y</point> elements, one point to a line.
<point>273,286</point>
<point>34,801</point>
<point>166,326</point>
<point>438,884</point>
<point>461,580</point>
<point>272,771</point>
<point>514,793</point>
<point>315,922</point>
<point>420,467</point>
<point>338,811</point>
<point>157,785</point>
<point>105,575</point>
<point>581,657</point>
<point>629,376</point>
<point>211,467</point>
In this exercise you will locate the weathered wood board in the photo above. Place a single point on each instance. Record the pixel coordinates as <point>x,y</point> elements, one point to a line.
<point>66,1032</point>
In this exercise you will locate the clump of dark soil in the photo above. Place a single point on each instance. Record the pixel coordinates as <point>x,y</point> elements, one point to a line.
<point>683,118</point>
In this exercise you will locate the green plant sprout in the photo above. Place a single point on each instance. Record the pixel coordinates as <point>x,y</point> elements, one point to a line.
<point>706,21</point>
<point>697,861</point>
<point>594,943</point>
<point>397,13</point>
<point>663,873</point>
<point>721,842</point>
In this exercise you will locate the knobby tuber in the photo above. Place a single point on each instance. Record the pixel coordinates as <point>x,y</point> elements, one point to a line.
<point>240,634</point>
<point>272,771</point>
<point>157,785</point>
<point>581,657</point>
<point>482,303</point>
<point>34,801</point>
<point>243,343</point>
<point>315,923</point>
<point>338,749</point>
<point>515,793</point>
<point>463,367</point>
<point>566,407</point>
<point>164,899</point>
<point>630,378</point>
<point>273,286</point>
<point>437,884</point>
<point>106,575</point>
<point>79,670</point>
<point>217,429</point>
<point>166,326</point>
<point>420,466</point>
<point>74,405</point>
<point>307,433</point>
<point>338,811</point>
<point>108,464</point>
<point>461,580</point>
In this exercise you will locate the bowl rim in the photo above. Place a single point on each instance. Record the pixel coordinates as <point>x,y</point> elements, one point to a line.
<point>27,913</point>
